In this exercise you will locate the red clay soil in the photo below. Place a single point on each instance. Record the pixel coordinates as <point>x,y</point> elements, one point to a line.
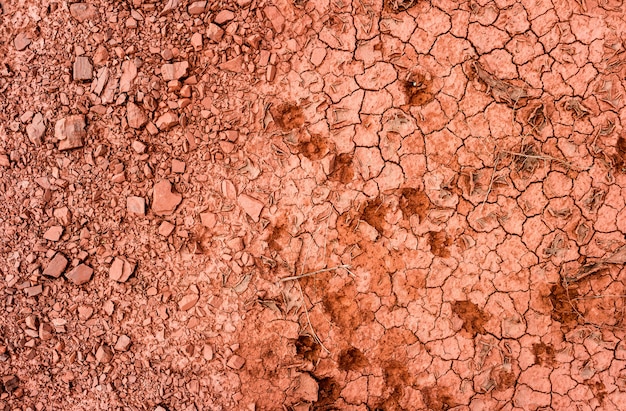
<point>312,205</point>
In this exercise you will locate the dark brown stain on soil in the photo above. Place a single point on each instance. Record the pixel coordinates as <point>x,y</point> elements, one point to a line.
<point>374,214</point>
<point>620,156</point>
<point>341,169</point>
<point>562,310</point>
<point>288,116</point>
<point>413,201</point>
<point>277,238</point>
<point>327,394</point>
<point>437,399</point>
<point>473,318</point>
<point>544,354</point>
<point>343,309</point>
<point>352,359</point>
<point>307,348</point>
<point>598,389</point>
<point>439,243</point>
<point>504,379</point>
<point>418,89</point>
<point>315,149</point>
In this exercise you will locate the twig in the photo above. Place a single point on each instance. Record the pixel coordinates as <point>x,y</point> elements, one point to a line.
<point>323,270</point>
<point>493,174</point>
<point>308,320</point>
<point>537,157</point>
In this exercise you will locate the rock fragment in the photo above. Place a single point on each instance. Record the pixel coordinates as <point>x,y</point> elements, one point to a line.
<point>174,71</point>
<point>235,362</point>
<point>121,270</point>
<point>188,302</point>
<point>83,70</point>
<point>164,200</point>
<point>21,41</point>
<point>167,121</point>
<point>46,332</point>
<point>83,11</point>
<point>166,228</point>
<point>56,266</point>
<point>251,206</point>
<point>53,233</point>
<point>129,73</point>
<point>214,32</point>
<point>36,129</point>
<point>80,274</point>
<point>123,343</point>
<point>197,7</point>
<point>70,132</point>
<point>104,354</point>
<point>136,205</point>
<point>224,16</point>
<point>275,17</point>
<point>135,116</point>
<point>233,65</point>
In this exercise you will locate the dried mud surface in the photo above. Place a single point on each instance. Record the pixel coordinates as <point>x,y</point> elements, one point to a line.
<point>312,205</point>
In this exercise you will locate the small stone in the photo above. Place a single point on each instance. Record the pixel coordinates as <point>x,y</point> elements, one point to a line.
<point>84,312</point>
<point>83,11</point>
<point>129,73</point>
<point>4,160</point>
<point>317,56</point>
<point>233,65</point>
<point>207,352</point>
<point>36,129</point>
<point>164,201</point>
<point>275,17</point>
<point>135,116</point>
<point>138,146</point>
<point>100,56</point>
<point>46,332</point>
<point>31,322</point>
<point>80,274</point>
<point>123,343</point>
<point>208,219</point>
<point>167,121</point>
<point>21,41</point>
<point>34,290</point>
<point>56,266</point>
<point>166,228</point>
<point>174,71</point>
<point>188,302</point>
<point>53,233</point>
<point>83,70</point>
<point>214,32</point>
<point>10,382</point>
<point>197,7</point>
<point>224,16</point>
<point>104,354</point>
<point>196,41</point>
<point>251,206</point>
<point>70,131</point>
<point>121,270</point>
<point>270,73</point>
<point>136,205</point>
<point>235,362</point>
<point>178,166</point>
<point>63,215</point>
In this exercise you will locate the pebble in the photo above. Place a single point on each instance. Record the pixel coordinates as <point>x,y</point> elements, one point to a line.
<point>53,233</point>
<point>21,41</point>
<point>121,270</point>
<point>56,266</point>
<point>4,160</point>
<point>235,362</point>
<point>188,302</point>
<point>166,228</point>
<point>233,65</point>
<point>214,32</point>
<point>251,206</point>
<point>63,215</point>
<point>138,146</point>
<point>104,354</point>
<point>36,129</point>
<point>83,70</point>
<point>196,41</point>
<point>80,274</point>
<point>136,205</point>
<point>129,73</point>
<point>224,16</point>
<point>209,220</point>
<point>174,71</point>
<point>83,11</point>
<point>46,331</point>
<point>135,116</point>
<point>123,343</point>
<point>167,121</point>
<point>164,201</point>
<point>34,290</point>
<point>70,131</point>
<point>197,7</point>
<point>178,166</point>
<point>275,17</point>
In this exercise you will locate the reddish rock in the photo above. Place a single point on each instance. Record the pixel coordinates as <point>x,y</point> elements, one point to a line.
<point>164,201</point>
<point>224,16</point>
<point>82,70</point>
<point>129,73</point>
<point>197,7</point>
<point>104,354</point>
<point>236,362</point>
<point>135,116</point>
<point>136,205</point>
<point>121,270</point>
<point>21,41</point>
<point>80,274</point>
<point>167,121</point>
<point>36,129</point>
<point>123,343</point>
<point>166,228</point>
<point>54,233</point>
<point>70,132</point>
<point>174,71</point>
<point>83,11</point>
<point>233,65</point>
<point>56,266</point>
<point>251,206</point>
<point>214,32</point>
<point>275,17</point>
<point>188,302</point>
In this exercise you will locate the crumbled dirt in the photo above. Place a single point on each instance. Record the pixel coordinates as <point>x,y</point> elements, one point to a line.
<point>312,205</point>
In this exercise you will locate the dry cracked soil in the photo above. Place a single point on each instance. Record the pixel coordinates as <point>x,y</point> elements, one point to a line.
<point>312,205</point>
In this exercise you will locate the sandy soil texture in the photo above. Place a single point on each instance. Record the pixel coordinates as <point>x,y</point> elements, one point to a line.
<point>312,205</point>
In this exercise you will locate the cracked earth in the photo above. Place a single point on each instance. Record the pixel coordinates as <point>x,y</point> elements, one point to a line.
<point>312,205</point>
